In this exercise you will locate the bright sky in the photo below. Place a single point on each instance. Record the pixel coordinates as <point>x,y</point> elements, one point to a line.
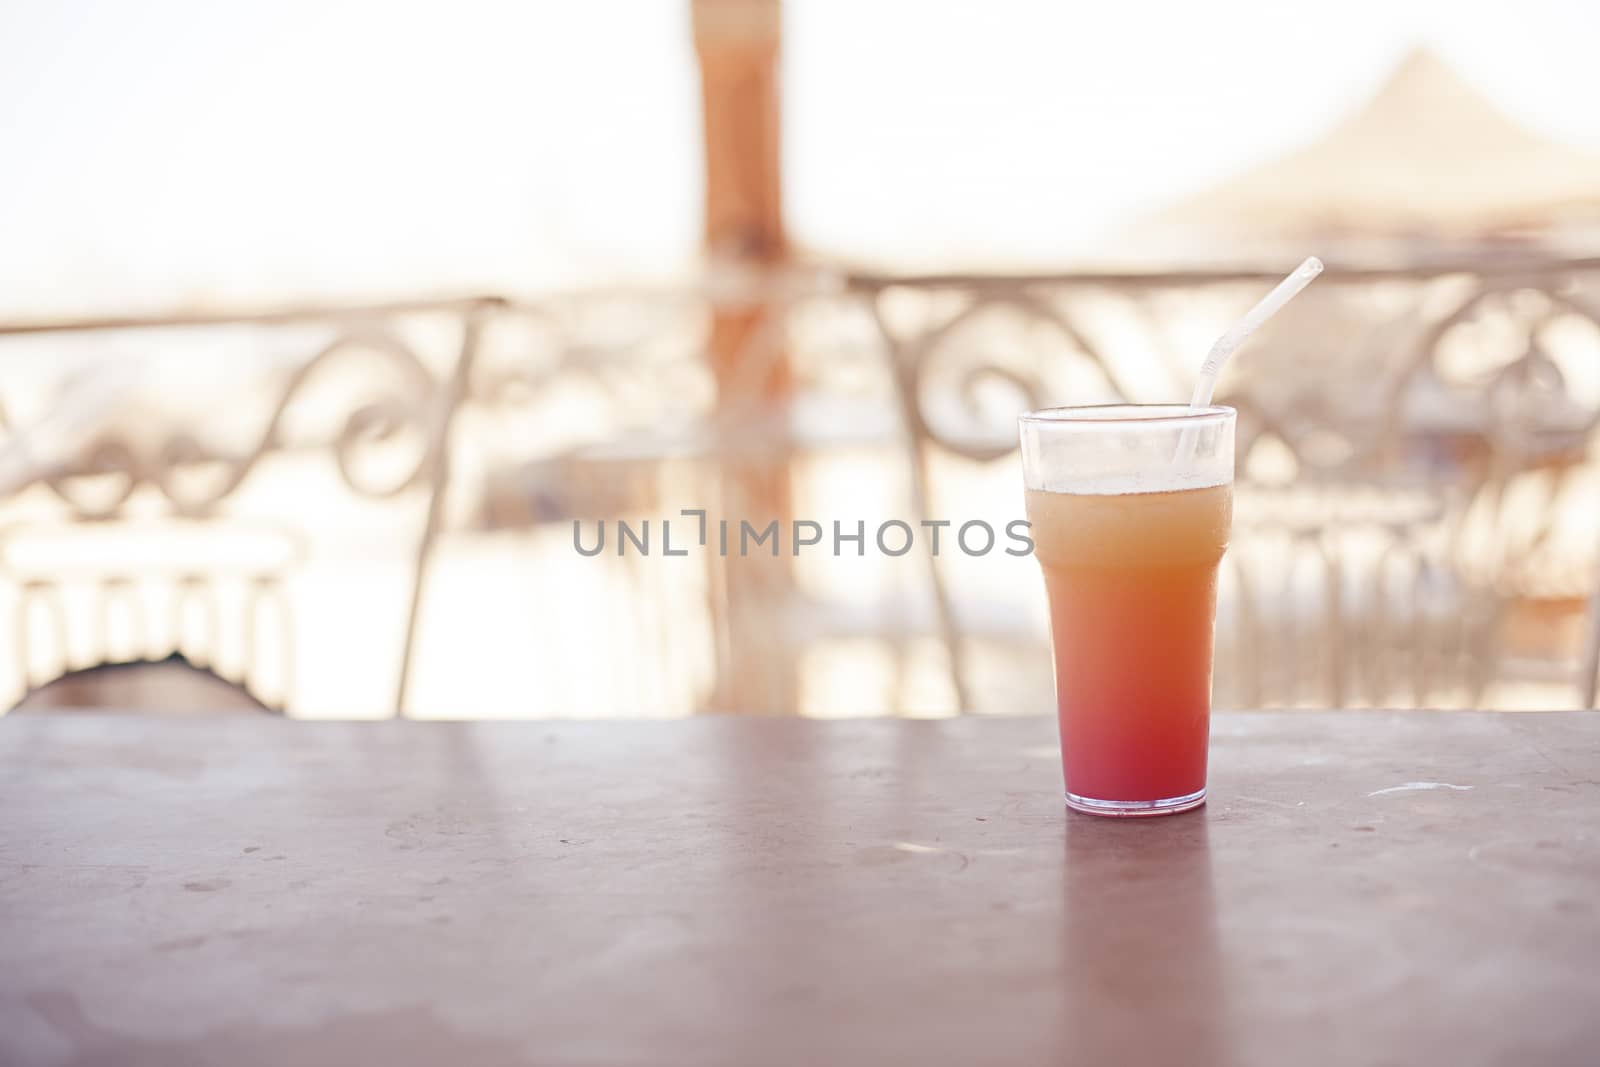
<point>173,151</point>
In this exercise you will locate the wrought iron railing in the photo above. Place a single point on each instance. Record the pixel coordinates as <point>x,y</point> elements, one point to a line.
<point>1415,455</point>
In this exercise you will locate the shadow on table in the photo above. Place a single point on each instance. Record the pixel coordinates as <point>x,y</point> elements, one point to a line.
<point>1140,950</point>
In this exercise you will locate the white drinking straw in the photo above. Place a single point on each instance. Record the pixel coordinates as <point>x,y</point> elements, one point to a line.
<point>1240,332</point>
<point>1235,336</point>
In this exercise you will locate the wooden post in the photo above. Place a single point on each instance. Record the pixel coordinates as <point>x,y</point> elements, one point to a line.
<point>737,42</point>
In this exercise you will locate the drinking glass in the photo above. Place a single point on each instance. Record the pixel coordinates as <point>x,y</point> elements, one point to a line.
<point>1130,507</point>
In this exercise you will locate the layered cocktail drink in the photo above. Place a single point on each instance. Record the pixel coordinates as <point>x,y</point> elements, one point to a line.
<point>1130,508</point>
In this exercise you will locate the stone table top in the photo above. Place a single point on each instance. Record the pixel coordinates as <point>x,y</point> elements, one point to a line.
<point>1368,887</point>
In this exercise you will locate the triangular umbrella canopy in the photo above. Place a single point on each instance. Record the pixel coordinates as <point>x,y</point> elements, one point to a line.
<point>1428,158</point>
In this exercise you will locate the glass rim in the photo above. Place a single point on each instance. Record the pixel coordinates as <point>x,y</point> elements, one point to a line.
<point>1124,414</point>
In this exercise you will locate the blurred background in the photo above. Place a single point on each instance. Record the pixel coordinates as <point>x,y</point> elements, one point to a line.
<point>321,325</point>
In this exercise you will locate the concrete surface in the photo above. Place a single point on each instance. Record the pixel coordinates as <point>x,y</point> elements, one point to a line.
<point>1363,888</point>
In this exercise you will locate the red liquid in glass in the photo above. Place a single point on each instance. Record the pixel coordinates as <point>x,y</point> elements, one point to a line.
<point>1132,584</point>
